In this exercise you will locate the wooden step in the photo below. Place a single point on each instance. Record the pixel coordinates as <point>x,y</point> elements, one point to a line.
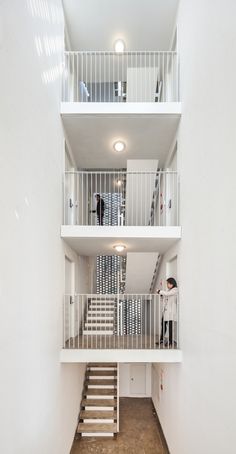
<point>101,298</point>
<point>99,392</point>
<point>98,414</point>
<point>102,365</point>
<point>100,381</point>
<point>100,313</point>
<point>84,427</point>
<point>101,303</point>
<point>99,318</point>
<point>102,309</point>
<point>101,373</point>
<point>100,322</point>
<point>98,332</point>
<point>99,403</point>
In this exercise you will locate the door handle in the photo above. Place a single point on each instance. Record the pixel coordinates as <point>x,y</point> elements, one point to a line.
<point>71,300</point>
<point>70,203</point>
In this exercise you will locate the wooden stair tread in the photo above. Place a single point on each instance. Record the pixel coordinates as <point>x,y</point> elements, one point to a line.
<point>99,403</point>
<point>100,392</point>
<point>100,381</point>
<point>96,427</point>
<point>102,364</point>
<point>102,373</point>
<point>98,414</point>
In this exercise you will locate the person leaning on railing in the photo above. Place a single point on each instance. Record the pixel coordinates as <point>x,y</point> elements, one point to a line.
<point>169,312</point>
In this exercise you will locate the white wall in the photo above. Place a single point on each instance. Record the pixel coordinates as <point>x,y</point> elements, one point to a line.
<point>197,405</point>
<point>39,396</point>
<point>139,190</point>
<point>140,268</point>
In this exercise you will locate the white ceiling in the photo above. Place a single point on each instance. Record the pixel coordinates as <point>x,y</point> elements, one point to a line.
<point>143,25</point>
<point>91,138</point>
<point>104,246</point>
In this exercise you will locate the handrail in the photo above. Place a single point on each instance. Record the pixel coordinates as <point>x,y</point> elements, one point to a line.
<point>127,52</point>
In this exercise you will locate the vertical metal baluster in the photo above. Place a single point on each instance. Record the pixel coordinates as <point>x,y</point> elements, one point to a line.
<point>83,319</point>
<point>113,78</point>
<point>64,321</point>
<point>86,76</point>
<point>82,77</point>
<point>95,77</point>
<point>77,73</point>
<point>146,74</point>
<point>154,319</point>
<point>165,76</point>
<point>149,77</point>
<point>100,76</point>
<point>78,319</point>
<point>96,192</point>
<point>91,75</point>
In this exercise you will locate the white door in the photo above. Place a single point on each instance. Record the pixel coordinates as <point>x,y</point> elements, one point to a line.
<point>137,379</point>
<point>142,83</point>
<point>69,316</point>
<point>71,196</point>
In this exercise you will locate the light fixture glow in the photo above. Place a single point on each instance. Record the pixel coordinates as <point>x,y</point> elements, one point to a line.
<point>119,146</point>
<point>119,46</point>
<point>119,182</point>
<point>119,247</point>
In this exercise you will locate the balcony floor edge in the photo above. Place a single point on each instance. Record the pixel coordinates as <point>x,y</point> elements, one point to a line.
<point>131,108</point>
<point>121,356</point>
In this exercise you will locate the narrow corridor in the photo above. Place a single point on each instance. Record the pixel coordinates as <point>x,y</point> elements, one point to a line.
<point>139,432</point>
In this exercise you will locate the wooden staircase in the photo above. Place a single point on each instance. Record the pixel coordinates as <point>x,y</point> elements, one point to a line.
<point>99,318</point>
<point>99,414</point>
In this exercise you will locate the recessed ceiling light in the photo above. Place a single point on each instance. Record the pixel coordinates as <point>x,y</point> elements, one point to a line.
<point>119,46</point>
<point>119,247</point>
<point>119,146</point>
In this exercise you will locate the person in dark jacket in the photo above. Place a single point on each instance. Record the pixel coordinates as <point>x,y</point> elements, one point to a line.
<point>100,209</point>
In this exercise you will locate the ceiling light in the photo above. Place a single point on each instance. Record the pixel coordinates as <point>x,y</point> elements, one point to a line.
<point>119,146</point>
<point>119,247</point>
<point>119,46</point>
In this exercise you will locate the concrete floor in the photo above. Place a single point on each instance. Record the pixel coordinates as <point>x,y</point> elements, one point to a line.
<point>139,432</point>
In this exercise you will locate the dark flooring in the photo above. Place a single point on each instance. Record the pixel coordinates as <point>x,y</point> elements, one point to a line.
<point>139,432</point>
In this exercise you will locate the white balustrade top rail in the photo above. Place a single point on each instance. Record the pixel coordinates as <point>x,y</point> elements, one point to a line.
<point>133,76</point>
<point>120,198</point>
<point>121,321</point>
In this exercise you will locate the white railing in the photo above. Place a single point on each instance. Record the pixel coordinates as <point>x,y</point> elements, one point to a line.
<point>133,76</point>
<point>125,198</point>
<point>126,321</point>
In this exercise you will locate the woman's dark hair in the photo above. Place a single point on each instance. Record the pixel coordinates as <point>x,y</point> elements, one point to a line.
<point>172,281</point>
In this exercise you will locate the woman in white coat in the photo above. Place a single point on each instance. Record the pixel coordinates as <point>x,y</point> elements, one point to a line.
<point>169,312</point>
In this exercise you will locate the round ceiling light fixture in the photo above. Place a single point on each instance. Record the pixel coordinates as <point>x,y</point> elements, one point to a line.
<point>119,146</point>
<point>119,247</point>
<point>119,46</point>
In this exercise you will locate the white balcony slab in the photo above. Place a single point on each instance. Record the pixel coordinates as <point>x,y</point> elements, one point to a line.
<point>143,126</point>
<point>121,356</point>
<point>133,108</point>
<point>98,240</point>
